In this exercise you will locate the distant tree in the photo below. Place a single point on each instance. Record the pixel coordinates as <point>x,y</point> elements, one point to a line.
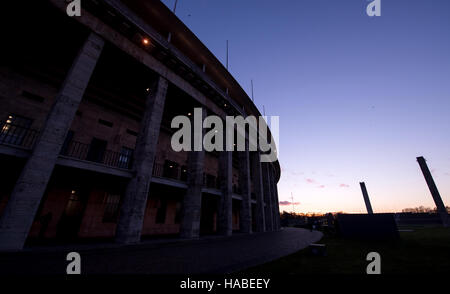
<point>420,209</point>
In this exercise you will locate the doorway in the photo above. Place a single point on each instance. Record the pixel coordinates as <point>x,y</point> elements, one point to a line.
<point>70,221</point>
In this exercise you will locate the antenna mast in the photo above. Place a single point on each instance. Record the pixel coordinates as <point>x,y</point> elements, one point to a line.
<point>175,6</point>
<point>293,205</point>
<point>253,99</point>
<point>227,54</point>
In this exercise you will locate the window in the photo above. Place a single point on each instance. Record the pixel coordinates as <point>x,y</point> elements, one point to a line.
<point>96,150</point>
<point>170,169</point>
<point>15,129</point>
<point>125,157</point>
<point>111,211</point>
<point>105,123</point>
<point>132,133</point>
<point>161,212</point>
<point>211,181</point>
<point>183,175</point>
<point>32,96</point>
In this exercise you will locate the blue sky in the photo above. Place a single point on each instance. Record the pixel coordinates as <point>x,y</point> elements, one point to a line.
<point>359,97</point>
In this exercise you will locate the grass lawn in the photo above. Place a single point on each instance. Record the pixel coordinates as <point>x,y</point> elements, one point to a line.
<point>423,251</point>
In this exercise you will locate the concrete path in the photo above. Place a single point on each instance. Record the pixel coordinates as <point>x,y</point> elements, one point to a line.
<point>213,255</point>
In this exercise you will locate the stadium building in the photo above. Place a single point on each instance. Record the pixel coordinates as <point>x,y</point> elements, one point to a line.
<point>85,142</point>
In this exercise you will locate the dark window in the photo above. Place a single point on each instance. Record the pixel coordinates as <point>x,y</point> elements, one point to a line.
<point>183,175</point>
<point>170,169</point>
<point>111,212</point>
<point>74,205</point>
<point>125,157</point>
<point>161,212</point>
<point>211,181</point>
<point>105,122</point>
<point>133,133</point>
<point>96,150</point>
<point>32,96</point>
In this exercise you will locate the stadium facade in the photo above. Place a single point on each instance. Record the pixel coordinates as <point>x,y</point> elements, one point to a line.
<point>85,137</point>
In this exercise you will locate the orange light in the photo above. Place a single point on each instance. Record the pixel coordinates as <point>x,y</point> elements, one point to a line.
<point>145,41</point>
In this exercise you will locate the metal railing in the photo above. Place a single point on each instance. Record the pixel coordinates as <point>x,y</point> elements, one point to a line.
<point>179,173</point>
<point>11,134</point>
<point>174,172</point>
<point>83,151</point>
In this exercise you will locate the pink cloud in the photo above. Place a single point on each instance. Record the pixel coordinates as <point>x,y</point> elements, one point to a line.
<point>322,186</point>
<point>288,203</point>
<point>344,185</point>
<point>310,181</point>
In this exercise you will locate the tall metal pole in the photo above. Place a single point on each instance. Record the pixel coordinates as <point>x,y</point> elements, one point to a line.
<point>434,191</point>
<point>253,99</point>
<point>366,198</point>
<point>293,205</point>
<point>175,6</point>
<point>169,36</point>
<point>227,54</point>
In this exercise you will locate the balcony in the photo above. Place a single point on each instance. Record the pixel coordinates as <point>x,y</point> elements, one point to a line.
<point>17,136</point>
<point>95,153</point>
<point>172,170</point>
<point>25,138</point>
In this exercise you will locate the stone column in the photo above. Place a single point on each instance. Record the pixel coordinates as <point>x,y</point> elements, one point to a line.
<point>275,207</point>
<point>224,219</point>
<point>245,219</point>
<point>366,198</point>
<point>26,196</point>
<point>132,211</point>
<point>272,197</point>
<point>267,197</point>
<point>258,190</point>
<point>442,211</point>
<point>192,202</point>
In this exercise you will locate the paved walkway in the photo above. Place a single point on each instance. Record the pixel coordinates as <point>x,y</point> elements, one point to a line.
<point>206,255</point>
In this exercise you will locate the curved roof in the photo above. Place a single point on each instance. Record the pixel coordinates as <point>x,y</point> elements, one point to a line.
<point>164,21</point>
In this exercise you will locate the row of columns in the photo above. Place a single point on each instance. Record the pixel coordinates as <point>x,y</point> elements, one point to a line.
<point>18,215</point>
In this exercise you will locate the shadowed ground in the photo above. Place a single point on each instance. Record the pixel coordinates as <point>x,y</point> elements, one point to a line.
<point>207,255</point>
<point>420,250</point>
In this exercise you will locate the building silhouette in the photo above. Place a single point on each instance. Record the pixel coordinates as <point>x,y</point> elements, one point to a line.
<point>87,103</point>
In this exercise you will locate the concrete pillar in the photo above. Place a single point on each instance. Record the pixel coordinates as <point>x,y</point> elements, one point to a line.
<point>245,219</point>
<point>258,190</point>
<point>268,211</point>
<point>442,211</point>
<point>192,202</point>
<point>224,219</point>
<point>26,196</point>
<point>131,218</point>
<point>273,198</point>
<point>366,198</point>
<point>275,208</point>
<point>277,201</point>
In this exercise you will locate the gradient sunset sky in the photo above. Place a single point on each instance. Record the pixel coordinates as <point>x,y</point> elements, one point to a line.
<point>359,98</point>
